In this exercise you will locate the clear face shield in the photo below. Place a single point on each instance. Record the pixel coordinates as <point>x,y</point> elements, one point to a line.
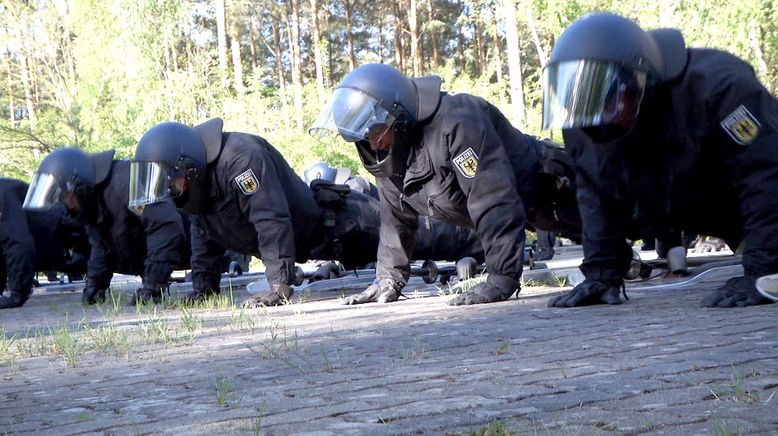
<point>353,115</point>
<point>588,93</point>
<point>47,191</point>
<point>152,182</point>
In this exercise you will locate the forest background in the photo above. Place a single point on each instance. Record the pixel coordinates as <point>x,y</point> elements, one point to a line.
<point>96,74</point>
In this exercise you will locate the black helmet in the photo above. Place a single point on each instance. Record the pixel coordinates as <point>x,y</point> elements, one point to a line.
<point>378,98</point>
<point>599,69</point>
<point>167,154</point>
<point>63,171</point>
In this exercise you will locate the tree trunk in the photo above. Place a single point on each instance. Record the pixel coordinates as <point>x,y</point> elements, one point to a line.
<point>297,69</point>
<point>317,56</point>
<point>535,39</point>
<point>461,43</point>
<point>25,76</point>
<point>761,64</point>
<point>478,31</point>
<point>237,65</point>
<point>399,59</point>
<point>433,36</point>
<point>11,107</point>
<point>348,8</point>
<point>413,24</point>
<point>514,63</point>
<point>496,49</point>
<point>277,50</point>
<point>252,47</point>
<point>380,33</point>
<point>221,39</point>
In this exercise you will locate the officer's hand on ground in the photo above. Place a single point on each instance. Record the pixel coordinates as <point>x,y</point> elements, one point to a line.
<point>93,294</point>
<point>329,270</point>
<point>385,291</point>
<point>274,297</point>
<point>588,293</point>
<point>480,294</point>
<point>736,292</point>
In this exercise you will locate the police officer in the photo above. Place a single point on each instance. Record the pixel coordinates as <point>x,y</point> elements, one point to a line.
<point>664,138</point>
<point>242,195</point>
<point>31,241</point>
<point>452,157</point>
<point>434,239</point>
<point>150,242</point>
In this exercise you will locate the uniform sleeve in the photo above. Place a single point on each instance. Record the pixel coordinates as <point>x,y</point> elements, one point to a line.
<point>262,200</point>
<point>397,234</point>
<point>604,212</point>
<point>745,123</point>
<point>165,239</point>
<point>206,258</point>
<point>99,269</point>
<point>483,170</point>
<point>17,244</point>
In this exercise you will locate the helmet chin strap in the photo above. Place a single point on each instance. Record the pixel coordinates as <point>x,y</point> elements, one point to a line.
<point>395,162</point>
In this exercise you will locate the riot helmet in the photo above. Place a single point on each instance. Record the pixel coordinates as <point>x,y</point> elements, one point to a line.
<point>599,70</point>
<point>170,163</point>
<point>377,107</point>
<point>65,176</point>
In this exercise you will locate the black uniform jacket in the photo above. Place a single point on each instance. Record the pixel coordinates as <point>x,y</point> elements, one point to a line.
<point>471,168</point>
<point>259,206</point>
<point>702,157</point>
<point>30,240</point>
<point>151,245</point>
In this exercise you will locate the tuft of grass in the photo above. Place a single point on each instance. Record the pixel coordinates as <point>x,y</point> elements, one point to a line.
<point>65,342</point>
<point>35,344</point>
<point>226,396</point>
<point>6,356</point>
<point>501,349</point>
<point>720,427</point>
<point>740,390</point>
<point>496,427</point>
<point>191,322</point>
<point>107,338</point>
<point>413,351</point>
<point>256,420</point>
<point>157,330</point>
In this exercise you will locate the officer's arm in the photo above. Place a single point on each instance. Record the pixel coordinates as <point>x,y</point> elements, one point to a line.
<point>98,269</point>
<point>486,178</point>
<point>165,242</point>
<point>266,207</point>
<point>206,258</point>
<point>604,215</point>
<point>746,123</point>
<point>397,234</point>
<point>17,244</point>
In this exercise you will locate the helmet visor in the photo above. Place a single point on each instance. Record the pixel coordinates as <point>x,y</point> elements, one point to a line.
<point>46,191</point>
<point>351,114</point>
<point>152,182</point>
<point>585,93</point>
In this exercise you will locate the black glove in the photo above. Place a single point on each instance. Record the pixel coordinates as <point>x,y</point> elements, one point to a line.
<point>94,291</point>
<point>13,299</point>
<point>329,270</point>
<point>274,297</point>
<point>736,292</point>
<point>588,293</point>
<point>385,291</point>
<point>481,293</point>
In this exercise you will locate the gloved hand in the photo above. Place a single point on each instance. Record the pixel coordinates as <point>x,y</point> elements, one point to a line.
<point>588,293</point>
<point>480,294</point>
<point>274,297</point>
<point>736,292</point>
<point>385,291</point>
<point>94,292</point>
<point>329,270</point>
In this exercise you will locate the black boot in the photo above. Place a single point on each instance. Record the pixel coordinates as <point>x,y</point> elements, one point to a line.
<point>200,295</point>
<point>146,296</point>
<point>13,299</point>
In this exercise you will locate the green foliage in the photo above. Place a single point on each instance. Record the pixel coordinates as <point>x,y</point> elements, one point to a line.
<point>99,73</point>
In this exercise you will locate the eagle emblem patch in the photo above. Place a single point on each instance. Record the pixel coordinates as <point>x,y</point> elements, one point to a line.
<point>247,182</point>
<point>467,163</point>
<point>741,125</point>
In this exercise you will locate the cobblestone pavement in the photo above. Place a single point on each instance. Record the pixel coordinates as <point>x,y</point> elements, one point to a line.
<point>659,364</point>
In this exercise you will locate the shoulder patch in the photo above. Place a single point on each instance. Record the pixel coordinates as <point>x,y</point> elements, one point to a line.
<point>467,163</point>
<point>247,182</point>
<point>741,125</point>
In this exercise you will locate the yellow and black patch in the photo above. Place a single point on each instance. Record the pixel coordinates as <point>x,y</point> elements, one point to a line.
<point>247,182</point>
<point>467,163</point>
<point>741,125</point>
